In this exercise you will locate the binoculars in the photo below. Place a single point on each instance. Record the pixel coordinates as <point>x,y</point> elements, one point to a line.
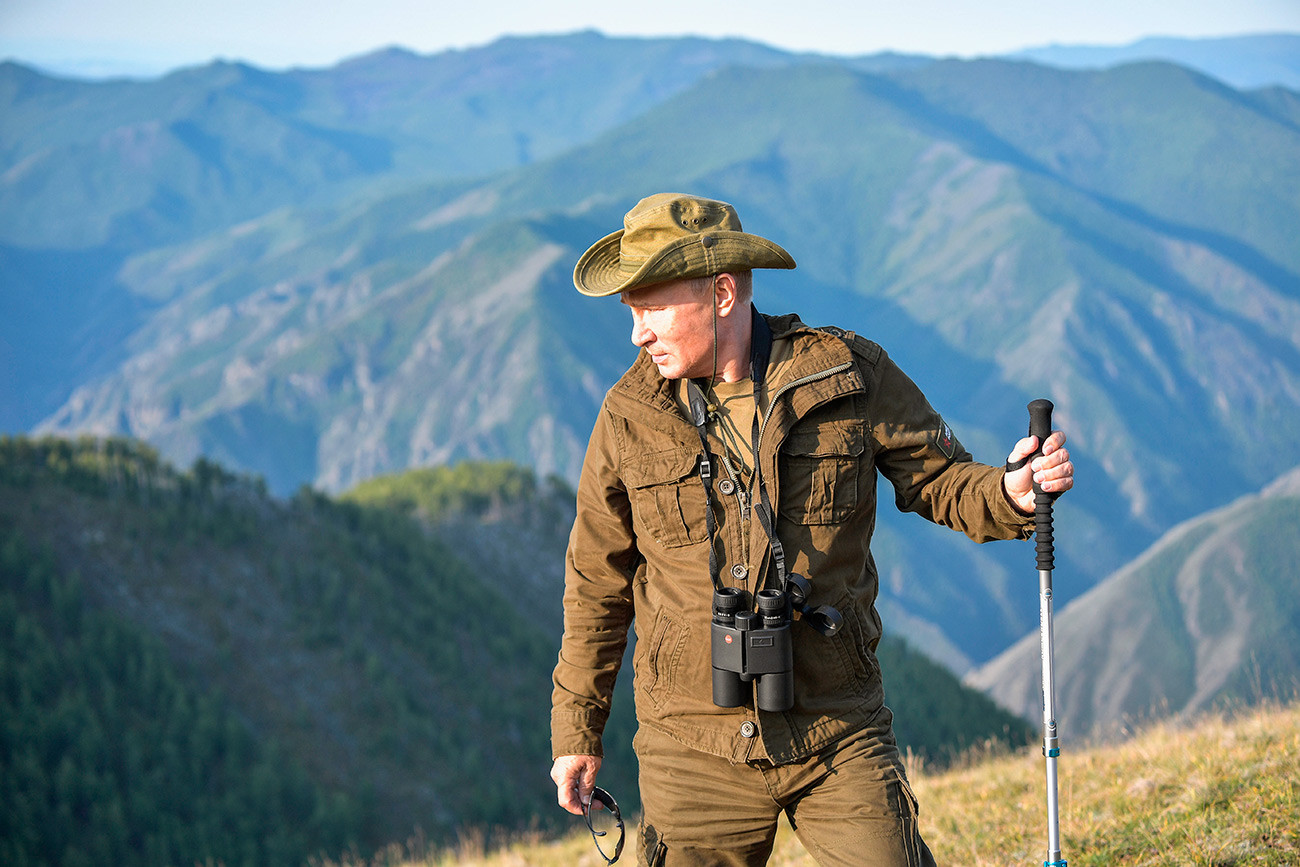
<point>751,647</point>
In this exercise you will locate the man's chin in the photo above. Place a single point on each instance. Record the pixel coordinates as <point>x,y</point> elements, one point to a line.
<point>666,368</point>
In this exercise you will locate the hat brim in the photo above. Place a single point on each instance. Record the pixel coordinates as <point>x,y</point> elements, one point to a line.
<point>600,271</point>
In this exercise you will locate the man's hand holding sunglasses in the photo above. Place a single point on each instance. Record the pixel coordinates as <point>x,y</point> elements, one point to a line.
<point>575,778</point>
<point>577,792</point>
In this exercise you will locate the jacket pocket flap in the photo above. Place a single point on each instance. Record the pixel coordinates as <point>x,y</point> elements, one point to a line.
<point>659,468</point>
<point>826,439</point>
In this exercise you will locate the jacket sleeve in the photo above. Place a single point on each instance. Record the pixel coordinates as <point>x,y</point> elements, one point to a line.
<point>932,474</point>
<point>601,561</point>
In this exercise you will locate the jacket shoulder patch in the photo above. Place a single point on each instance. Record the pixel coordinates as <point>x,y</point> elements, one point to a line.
<point>944,441</point>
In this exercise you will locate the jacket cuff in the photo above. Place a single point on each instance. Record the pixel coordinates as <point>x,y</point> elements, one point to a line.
<point>1008,513</point>
<point>576,733</point>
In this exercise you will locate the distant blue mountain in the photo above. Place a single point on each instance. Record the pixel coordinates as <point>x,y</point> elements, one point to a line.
<point>1245,62</point>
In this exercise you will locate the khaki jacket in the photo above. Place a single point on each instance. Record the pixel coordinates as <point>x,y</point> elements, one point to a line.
<point>841,410</point>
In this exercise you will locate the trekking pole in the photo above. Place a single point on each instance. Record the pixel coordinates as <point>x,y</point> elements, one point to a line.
<point>1040,425</point>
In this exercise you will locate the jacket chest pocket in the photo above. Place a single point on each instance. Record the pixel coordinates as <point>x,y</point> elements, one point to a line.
<point>667,497</point>
<point>821,464</point>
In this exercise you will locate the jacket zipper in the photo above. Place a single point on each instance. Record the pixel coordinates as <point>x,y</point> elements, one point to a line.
<point>746,497</point>
<point>803,380</point>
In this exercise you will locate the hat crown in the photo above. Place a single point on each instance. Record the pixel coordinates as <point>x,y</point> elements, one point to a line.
<point>659,220</point>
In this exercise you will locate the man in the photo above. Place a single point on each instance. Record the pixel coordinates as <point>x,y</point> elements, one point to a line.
<point>741,451</point>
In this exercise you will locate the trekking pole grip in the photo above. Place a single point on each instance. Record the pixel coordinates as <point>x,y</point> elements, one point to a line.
<point>1040,425</point>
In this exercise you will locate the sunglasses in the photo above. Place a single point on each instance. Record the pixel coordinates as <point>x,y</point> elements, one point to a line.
<point>599,794</point>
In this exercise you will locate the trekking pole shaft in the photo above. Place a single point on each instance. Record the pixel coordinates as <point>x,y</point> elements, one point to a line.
<point>1040,426</point>
<point>1051,742</point>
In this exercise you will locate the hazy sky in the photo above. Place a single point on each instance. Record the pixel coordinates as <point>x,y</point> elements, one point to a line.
<point>148,36</point>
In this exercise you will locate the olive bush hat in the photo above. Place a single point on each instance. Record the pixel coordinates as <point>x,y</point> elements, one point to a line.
<point>670,236</point>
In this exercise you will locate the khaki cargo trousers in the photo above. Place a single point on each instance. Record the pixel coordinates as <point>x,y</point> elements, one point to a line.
<point>850,805</point>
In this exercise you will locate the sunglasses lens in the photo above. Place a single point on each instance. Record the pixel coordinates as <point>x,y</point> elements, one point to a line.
<point>606,825</point>
<point>601,820</point>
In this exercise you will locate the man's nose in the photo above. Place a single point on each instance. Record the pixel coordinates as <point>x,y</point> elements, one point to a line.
<point>641,335</point>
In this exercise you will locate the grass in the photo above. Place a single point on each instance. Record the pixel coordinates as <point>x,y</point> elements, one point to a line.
<point>1219,792</point>
<point>1225,791</point>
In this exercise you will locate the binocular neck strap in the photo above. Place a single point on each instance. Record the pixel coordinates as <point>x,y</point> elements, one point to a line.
<point>760,352</point>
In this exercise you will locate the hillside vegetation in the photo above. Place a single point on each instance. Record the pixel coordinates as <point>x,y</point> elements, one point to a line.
<point>344,639</point>
<point>1220,793</point>
<point>113,757</point>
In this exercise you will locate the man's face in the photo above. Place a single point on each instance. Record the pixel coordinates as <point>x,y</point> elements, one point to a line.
<point>673,323</point>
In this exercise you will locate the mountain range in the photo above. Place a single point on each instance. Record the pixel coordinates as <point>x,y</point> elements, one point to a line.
<point>323,276</point>
<point>1207,617</point>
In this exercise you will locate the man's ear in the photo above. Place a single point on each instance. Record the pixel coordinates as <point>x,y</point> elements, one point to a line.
<point>726,291</point>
